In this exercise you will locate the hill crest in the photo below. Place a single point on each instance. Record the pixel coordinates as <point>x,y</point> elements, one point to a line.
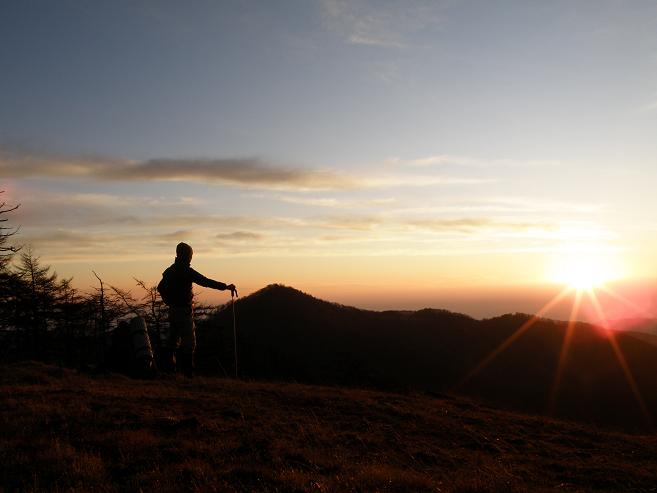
<point>514,360</point>
<point>281,293</point>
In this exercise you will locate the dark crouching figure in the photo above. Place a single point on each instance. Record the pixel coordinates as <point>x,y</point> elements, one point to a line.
<point>119,357</point>
<point>131,352</point>
<point>176,291</point>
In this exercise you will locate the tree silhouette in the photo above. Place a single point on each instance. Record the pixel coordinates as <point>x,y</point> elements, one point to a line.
<point>39,304</point>
<point>156,312</point>
<point>69,320</point>
<point>6,250</point>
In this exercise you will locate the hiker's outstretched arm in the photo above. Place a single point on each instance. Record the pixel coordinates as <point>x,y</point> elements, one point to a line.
<point>201,280</point>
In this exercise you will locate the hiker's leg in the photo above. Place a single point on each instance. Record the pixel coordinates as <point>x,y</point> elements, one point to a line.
<point>188,343</point>
<point>176,322</point>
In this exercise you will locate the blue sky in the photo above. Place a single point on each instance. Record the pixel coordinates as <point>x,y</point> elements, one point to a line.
<point>472,133</point>
<point>299,80</point>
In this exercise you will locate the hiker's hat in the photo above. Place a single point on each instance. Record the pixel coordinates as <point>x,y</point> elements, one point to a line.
<point>183,250</point>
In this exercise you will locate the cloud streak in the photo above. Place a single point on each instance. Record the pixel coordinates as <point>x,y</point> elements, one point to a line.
<point>468,161</point>
<point>290,237</point>
<point>246,172</point>
<point>333,202</point>
<point>103,212</point>
<point>243,173</point>
<point>359,22</point>
<point>652,106</point>
<point>240,236</point>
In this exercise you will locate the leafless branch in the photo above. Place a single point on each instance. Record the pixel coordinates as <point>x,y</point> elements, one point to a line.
<point>5,232</point>
<point>127,299</point>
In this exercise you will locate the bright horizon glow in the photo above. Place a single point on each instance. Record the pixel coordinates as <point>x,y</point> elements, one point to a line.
<point>585,271</point>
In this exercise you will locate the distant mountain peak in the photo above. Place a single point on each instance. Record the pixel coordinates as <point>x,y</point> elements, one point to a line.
<point>277,290</point>
<point>439,313</point>
<point>280,295</point>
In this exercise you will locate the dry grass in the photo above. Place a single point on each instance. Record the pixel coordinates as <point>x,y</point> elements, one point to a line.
<point>60,431</point>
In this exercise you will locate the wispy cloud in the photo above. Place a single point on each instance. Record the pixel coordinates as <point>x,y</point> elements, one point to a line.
<point>248,173</point>
<point>104,212</point>
<point>469,225</point>
<point>455,160</point>
<point>533,204</point>
<point>652,106</point>
<point>115,200</point>
<point>43,208</point>
<point>395,226</point>
<point>494,206</point>
<point>362,234</point>
<point>240,236</point>
<point>242,173</point>
<point>180,235</point>
<point>333,202</point>
<point>379,24</point>
<point>500,205</point>
<point>391,180</point>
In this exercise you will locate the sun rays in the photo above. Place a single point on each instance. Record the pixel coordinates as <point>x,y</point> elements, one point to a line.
<point>513,337</point>
<point>611,337</point>
<point>583,288</point>
<point>565,347</point>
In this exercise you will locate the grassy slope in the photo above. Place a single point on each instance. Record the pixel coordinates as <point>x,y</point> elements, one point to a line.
<point>63,431</point>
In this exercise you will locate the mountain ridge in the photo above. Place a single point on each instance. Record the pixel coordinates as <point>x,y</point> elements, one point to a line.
<point>278,288</point>
<point>285,334</point>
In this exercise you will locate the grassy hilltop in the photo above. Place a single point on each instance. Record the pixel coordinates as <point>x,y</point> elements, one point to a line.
<point>62,431</point>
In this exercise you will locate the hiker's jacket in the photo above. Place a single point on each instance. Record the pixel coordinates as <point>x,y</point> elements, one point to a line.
<point>176,284</point>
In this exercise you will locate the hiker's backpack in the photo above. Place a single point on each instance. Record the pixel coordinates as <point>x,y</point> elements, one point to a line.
<point>165,288</point>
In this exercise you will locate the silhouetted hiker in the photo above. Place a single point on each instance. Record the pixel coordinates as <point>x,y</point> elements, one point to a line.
<point>176,291</point>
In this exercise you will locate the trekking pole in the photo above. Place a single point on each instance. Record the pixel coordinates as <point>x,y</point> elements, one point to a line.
<point>232,302</point>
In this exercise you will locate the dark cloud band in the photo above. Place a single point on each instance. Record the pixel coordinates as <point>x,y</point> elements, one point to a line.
<point>236,172</point>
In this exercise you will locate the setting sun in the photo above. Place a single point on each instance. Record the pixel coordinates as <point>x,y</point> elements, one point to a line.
<point>585,272</point>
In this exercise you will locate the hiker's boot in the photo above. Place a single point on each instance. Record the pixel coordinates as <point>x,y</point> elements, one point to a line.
<point>186,361</point>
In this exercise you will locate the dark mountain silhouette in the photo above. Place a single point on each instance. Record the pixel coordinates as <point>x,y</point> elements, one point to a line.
<point>284,334</point>
<point>645,325</point>
<point>643,336</point>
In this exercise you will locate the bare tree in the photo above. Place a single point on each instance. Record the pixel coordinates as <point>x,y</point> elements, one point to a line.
<point>157,312</point>
<point>150,307</point>
<point>10,287</point>
<point>6,251</point>
<point>131,305</point>
<point>99,335</point>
